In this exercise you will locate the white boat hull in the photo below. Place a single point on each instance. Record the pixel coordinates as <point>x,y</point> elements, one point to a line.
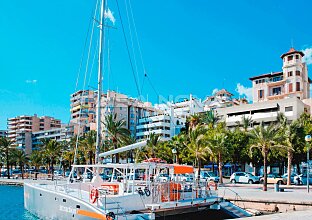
<point>51,204</point>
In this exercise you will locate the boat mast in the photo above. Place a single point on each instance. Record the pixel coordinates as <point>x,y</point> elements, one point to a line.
<point>99,95</point>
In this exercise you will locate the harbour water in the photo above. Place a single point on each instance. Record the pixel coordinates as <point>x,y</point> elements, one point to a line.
<point>12,208</point>
<point>12,204</point>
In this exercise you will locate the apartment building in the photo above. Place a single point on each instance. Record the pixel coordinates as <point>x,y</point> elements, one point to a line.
<point>265,112</point>
<point>286,91</point>
<point>3,133</point>
<point>292,81</point>
<point>164,125</point>
<point>64,133</point>
<point>128,109</point>
<point>222,99</point>
<point>169,119</point>
<point>27,123</point>
<point>83,110</point>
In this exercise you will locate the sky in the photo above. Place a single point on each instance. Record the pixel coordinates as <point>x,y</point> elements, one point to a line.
<point>186,46</point>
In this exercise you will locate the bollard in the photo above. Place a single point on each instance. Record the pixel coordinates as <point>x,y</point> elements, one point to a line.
<point>276,187</point>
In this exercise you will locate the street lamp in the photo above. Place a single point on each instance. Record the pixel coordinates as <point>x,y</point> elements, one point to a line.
<point>308,139</point>
<point>174,152</point>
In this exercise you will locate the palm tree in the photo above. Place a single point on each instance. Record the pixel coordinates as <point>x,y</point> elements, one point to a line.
<point>152,143</point>
<point>193,121</point>
<point>216,143</point>
<point>35,159</point>
<point>52,150</point>
<point>197,147</point>
<point>210,118</point>
<point>88,144</point>
<point>264,138</point>
<point>178,143</point>
<point>293,136</point>
<point>116,131</point>
<point>21,159</point>
<point>5,145</point>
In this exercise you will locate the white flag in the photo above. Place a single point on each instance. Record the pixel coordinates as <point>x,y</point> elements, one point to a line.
<point>108,14</point>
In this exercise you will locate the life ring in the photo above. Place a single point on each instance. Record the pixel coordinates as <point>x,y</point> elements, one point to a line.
<point>94,195</point>
<point>213,184</point>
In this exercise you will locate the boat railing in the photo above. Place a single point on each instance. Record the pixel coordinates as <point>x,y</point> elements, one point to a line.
<point>180,190</point>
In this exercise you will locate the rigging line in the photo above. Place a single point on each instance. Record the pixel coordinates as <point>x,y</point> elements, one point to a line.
<point>137,38</point>
<point>129,55</point>
<point>150,82</point>
<point>132,44</point>
<point>143,83</point>
<point>83,54</point>
<point>93,60</point>
<point>84,85</point>
<point>108,60</point>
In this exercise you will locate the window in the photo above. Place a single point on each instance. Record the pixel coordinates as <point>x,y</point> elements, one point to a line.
<point>289,58</point>
<point>290,73</point>
<point>297,86</point>
<point>288,109</point>
<point>290,87</point>
<point>297,73</point>
<point>277,91</point>
<point>297,57</point>
<point>260,94</point>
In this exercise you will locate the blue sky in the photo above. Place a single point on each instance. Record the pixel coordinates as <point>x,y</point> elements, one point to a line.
<point>187,47</point>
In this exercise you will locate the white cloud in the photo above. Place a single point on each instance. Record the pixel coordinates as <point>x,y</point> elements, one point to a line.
<point>244,91</point>
<point>307,55</point>
<point>31,81</point>
<point>108,14</point>
<point>214,91</point>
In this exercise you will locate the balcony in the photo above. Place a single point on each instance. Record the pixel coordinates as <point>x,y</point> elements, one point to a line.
<point>277,83</point>
<point>276,96</point>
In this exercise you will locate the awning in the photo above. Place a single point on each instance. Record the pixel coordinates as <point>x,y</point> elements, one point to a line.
<point>182,169</point>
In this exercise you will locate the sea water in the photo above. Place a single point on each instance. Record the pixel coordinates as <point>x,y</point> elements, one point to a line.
<point>12,204</point>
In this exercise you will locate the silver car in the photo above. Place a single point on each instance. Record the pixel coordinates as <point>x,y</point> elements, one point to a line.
<point>243,177</point>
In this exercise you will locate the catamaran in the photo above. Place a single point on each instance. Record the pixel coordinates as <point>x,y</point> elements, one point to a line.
<point>146,190</point>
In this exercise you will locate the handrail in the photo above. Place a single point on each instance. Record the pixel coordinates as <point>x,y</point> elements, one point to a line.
<point>236,195</point>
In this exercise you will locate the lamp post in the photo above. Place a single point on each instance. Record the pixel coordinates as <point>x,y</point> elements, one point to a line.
<point>308,139</point>
<point>174,152</point>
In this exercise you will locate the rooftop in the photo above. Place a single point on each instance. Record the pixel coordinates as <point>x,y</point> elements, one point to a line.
<point>292,51</point>
<point>272,74</point>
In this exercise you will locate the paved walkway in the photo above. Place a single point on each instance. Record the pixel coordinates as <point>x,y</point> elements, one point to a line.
<point>293,194</point>
<point>296,195</point>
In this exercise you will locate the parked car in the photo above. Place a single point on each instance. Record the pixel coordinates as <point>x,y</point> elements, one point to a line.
<point>292,177</point>
<point>243,177</point>
<point>182,177</point>
<point>207,176</point>
<point>163,177</point>
<point>302,179</point>
<point>274,178</point>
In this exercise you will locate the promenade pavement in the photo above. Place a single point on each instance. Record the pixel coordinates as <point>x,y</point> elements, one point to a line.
<point>291,194</point>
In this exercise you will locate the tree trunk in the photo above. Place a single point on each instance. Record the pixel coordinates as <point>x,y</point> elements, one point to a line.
<point>7,161</point>
<point>298,168</point>
<point>289,155</point>
<point>22,169</point>
<point>116,155</point>
<point>265,184</point>
<point>198,174</point>
<point>52,169</point>
<point>177,157</point>
<point>220,168</point>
